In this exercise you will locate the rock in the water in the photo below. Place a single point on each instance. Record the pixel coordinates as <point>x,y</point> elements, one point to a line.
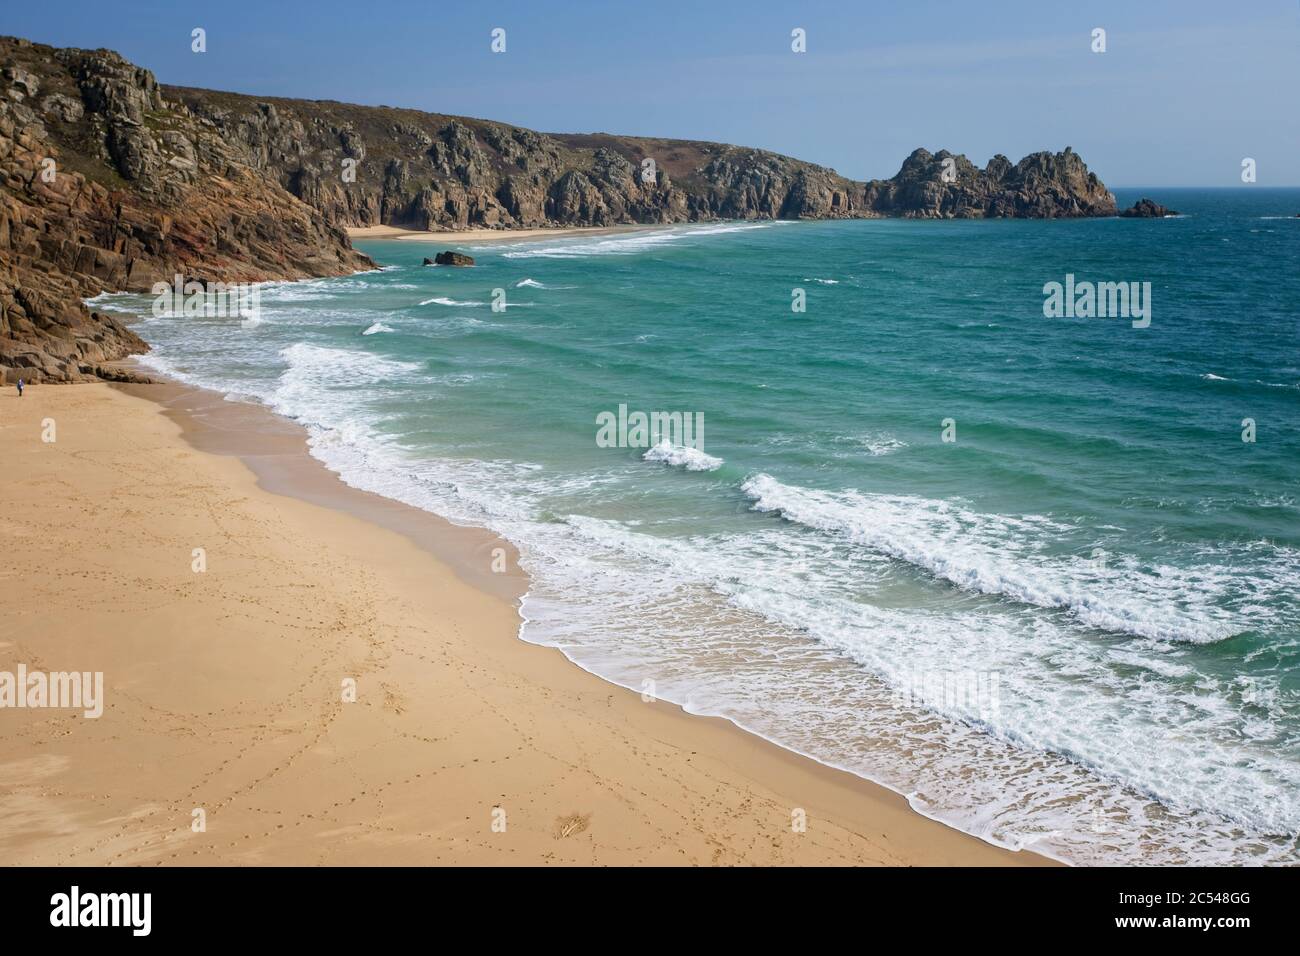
<point>453,259</point>
<point>429,262</point>
<point>1147,209</point>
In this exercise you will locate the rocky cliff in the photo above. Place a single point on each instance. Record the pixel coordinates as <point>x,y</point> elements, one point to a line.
<point>361,166</point>
<point>109,181</point>
<point>948,186</point>
<point>104,185</point>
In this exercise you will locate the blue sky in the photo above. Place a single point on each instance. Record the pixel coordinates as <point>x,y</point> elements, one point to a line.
<point>1184,91</point>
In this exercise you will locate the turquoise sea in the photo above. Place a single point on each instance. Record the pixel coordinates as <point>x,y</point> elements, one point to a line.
<point>1075,627</point>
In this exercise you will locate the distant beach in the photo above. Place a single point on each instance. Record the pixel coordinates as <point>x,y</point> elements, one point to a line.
<point>478,236</point>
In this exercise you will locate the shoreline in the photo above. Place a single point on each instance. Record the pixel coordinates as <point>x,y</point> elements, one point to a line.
<point>480,236</point>
<point>646,767</point>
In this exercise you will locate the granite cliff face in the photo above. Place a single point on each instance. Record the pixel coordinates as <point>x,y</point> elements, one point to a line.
<point>947,186</point>
<point>106,186</point>
<point>149,181</point>
<point>362,166</point>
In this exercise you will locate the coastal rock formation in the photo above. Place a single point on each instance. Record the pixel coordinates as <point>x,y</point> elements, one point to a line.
<point>452,259</point>
<point>947,186</point>
<point>105,186</point>
<point>1147,209</point>
<point>109,181</point>
<point>377,165</point>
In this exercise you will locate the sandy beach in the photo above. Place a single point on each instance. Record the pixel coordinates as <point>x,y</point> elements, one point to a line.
<point>225,673</point>
<point>478,236</point>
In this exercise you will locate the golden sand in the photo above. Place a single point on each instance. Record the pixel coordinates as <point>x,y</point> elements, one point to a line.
<point>225,687</point>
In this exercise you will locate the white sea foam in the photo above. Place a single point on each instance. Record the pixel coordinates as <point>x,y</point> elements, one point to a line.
<point>803,630</point>
<point>443,300</point>
<point>1211,377</point>
<point>680,456</point>
<point>629,244</point>
<point>880,444</point>
<point>318,385</point>
<point>819,677</point>
<point>1006,556</point>
<point>959,769</point>
<point>120,304</point>
<point>590,577</point>
<point>378,327</point>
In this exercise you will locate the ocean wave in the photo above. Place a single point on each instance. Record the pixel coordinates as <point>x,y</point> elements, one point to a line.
<point>1211,377</point>
<point>813,655</point>
<point>1044,732</point>
<point>318,385</point>
<point>443,300</point>
<point>723,228</point>
<point>534,284</point>
<point>879,444</point>
<point>377,328</point>
<point>805,635</point>
<point>120,303</point>
<point>1009,557</point>
<point>680,456</point>
<point>631,244</point>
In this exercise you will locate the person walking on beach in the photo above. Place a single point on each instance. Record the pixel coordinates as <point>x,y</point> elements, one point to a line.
<point>20,388</point>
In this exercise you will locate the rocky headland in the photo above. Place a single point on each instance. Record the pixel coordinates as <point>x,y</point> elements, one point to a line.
<point>109,181</point>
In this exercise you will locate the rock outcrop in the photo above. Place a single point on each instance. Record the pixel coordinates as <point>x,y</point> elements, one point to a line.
<point>109,181</point>
<point>377,165</point>
<point>450,258</point>
<point>106,186</point>
<point>946,186</point>
<point>1147,209</point>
